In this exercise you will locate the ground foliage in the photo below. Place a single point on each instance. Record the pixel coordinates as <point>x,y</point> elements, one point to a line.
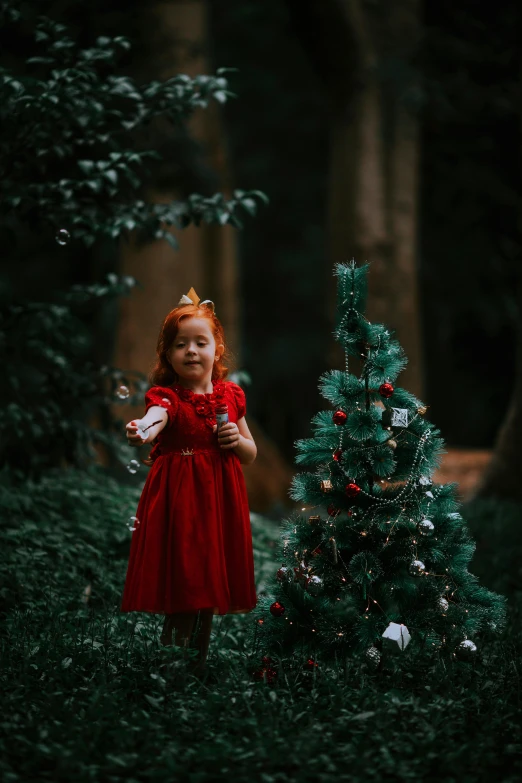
<point>84,698</point>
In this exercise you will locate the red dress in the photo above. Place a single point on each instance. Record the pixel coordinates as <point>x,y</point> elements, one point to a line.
<point>192,547</point>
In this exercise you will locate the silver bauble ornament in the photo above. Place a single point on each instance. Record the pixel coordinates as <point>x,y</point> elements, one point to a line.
<point>417,568</point>
<point>314,585</point>
<point>426,527</point>
<point>373,657</point>
<point>443,604</point>
<point>425,482</point>
<point>467,650</point>
<point>284,574</point>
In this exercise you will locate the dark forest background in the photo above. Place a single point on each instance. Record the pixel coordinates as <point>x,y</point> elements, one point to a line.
<point>444,241</point>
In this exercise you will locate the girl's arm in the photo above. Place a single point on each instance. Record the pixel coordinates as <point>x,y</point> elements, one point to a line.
<point>154,414</point>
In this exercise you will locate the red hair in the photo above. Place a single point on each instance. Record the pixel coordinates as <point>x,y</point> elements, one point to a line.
<point>162,373</point>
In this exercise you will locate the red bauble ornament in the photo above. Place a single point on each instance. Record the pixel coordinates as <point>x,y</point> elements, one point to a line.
<point>332,511</point>
<point>386,390</point>
<point>317,551</point>
<point>352,489</point>
<point>266,661</point>
<point>338,453</point>
<point>339,417</point>
<point>277,609</point>
<point>311,664</point>
<point>265,673</point>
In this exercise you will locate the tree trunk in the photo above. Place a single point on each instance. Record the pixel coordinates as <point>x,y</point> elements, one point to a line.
<point>374,150</point>
<point>373,180</point>
<point>503,476</point>
<point>207,256</point>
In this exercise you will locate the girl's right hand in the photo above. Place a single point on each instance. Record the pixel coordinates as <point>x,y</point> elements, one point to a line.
<point>133,438</point>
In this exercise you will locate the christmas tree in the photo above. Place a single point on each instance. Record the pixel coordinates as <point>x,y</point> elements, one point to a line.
<point>374,565</point>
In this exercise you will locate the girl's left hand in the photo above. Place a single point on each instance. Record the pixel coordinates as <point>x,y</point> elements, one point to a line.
<point>228,435</point>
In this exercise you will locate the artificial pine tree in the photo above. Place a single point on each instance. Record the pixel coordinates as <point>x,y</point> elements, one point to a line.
<point>374,566</point>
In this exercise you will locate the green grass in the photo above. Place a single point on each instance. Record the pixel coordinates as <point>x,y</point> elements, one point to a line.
<point>83,697</point>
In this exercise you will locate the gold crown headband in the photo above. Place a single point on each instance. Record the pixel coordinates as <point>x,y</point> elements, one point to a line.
<point>193,298</point>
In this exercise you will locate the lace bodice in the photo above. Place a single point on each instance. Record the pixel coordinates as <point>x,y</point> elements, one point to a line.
<point>192,416</point>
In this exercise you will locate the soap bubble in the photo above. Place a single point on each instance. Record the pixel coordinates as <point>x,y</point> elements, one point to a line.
<point>62,236</point>
<point>122,392</point>
<point>134,522</point>
<point>133,466</point>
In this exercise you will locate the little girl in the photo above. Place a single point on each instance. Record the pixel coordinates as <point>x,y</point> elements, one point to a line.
<point>191,551</point>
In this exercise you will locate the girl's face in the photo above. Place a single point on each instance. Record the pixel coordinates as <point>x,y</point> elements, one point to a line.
<point>194,351</point>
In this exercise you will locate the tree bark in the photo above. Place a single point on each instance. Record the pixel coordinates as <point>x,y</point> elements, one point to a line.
<point>503,475</point>
<point>207,256</point>
<point>373,187</point>
<point>382,133</point>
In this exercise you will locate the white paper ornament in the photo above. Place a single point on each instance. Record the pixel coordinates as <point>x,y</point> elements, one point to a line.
<point>396,637</point>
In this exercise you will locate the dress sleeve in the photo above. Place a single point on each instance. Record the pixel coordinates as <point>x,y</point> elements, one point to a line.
<point>165,398</point>
<point>240,400</point>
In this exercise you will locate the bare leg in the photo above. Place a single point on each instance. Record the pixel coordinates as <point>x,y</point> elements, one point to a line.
<point>183,623</point>
<point>202,640</point>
